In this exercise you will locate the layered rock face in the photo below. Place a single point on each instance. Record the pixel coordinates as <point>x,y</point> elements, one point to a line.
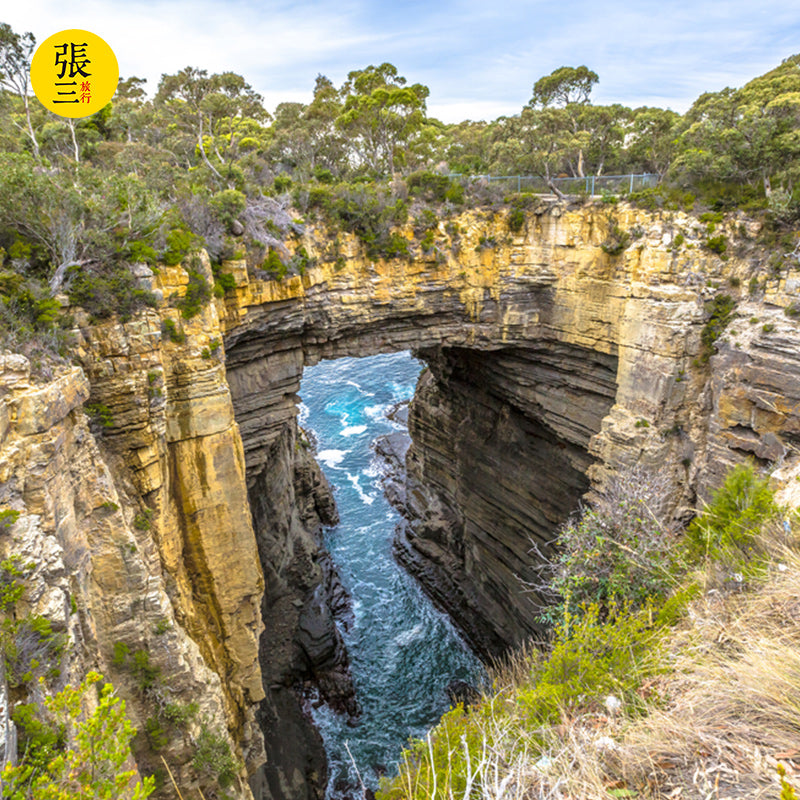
<point>499,459</point>
<point>553,363</point>
<point>184,518</point>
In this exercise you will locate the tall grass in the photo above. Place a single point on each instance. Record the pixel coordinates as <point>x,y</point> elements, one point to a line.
<point>697,695</point>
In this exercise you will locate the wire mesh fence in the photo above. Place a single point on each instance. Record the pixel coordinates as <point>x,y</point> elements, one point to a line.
<point>589,185</point>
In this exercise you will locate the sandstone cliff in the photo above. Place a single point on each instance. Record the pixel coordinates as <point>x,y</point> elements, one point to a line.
<point>184,518</point>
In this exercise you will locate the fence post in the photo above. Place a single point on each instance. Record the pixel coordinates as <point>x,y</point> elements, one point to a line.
<point>519,184</point>
<point>631,190</point>
<point>592,185</point>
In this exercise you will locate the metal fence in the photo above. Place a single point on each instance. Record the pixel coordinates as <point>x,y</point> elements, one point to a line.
<point>590,185</point>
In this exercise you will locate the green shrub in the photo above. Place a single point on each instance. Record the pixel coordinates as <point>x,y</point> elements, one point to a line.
<point>727,530</point>
<point>224,280</point>
<point>104,290</point>
<point>145,673</point>
<point>301,261</point>
<point>618,550</point>
<point>40,740</point>
<point>322,175</point>
<point>31,648</point>
<point>228,205</point>
<point>12,574</point>
<point>101,414</point>
<point>429,185</point>
<point>7,518</point>
<point>156,735</point>
<point>91,761</point>
<point>197,295</point>
<point>274,266</point>
<point>721,309</point>
<point>616,241</point>
<point>597,652</point>
<point>142,521</point>
<point>180,242</point>
<point>213,758</point>
<point>396,247</point>
<point>427,241</point>
<point>171,330</point>
<point>180,714</point>
<point>426,221</point>
<point>516,220</point>
<point>792,310</point>
<point>282,183</point>
<point>455,194</point>
<point>717,244</point>
<point>121,652</point>
<point>140,252</point>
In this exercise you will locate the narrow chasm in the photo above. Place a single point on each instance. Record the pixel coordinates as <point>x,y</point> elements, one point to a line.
<point>406,658</point>
<point>355,657</point>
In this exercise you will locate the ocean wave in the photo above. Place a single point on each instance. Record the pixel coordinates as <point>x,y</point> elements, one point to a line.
<point>332,458</point>
<point>352,430</point>
<point>367,499</point>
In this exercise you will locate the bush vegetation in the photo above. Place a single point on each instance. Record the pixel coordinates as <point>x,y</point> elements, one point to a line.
<point>627,675</point>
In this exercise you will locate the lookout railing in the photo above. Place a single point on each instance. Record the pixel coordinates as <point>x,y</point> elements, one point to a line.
<point>589,185</point>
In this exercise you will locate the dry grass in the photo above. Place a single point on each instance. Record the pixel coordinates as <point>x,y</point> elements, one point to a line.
<point>722,719</point>
<point>714,722</point>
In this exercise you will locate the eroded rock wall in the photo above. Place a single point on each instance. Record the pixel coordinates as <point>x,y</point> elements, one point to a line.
<point>184,519</point>
<point>499,460</point>
<point>98,574</point>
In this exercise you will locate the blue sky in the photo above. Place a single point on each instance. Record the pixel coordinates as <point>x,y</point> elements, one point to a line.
<point>479,58</point>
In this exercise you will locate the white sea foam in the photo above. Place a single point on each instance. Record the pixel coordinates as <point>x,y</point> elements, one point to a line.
<point>352,430</point>
<point>366,499</point>
<point>378,412</point>
<point>405,638</point>
<point>332,458</point>
<point>363,391</point>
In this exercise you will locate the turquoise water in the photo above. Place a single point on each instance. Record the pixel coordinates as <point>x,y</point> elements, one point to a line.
<point>403,652</point>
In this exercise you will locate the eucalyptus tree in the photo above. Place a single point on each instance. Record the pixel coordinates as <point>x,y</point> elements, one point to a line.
<point>748,136</point>
<point>210,115</point>
<point>382,115</point>
<point>16,51</point>
<point>564,94</point>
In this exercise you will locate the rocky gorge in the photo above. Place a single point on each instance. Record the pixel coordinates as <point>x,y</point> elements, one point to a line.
<point>173,508</point>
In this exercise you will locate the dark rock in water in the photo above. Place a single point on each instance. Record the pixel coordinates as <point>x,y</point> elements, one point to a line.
<point>462,692</point>
<point>399,413</point>
<point>391,451</point>
<point>296,765</point>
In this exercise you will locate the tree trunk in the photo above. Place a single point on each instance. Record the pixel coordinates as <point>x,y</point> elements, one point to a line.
<point>32,135</point>
<point>75,150</point>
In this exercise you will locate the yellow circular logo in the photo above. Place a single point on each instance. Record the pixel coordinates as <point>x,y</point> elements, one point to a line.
<point>74,73</point>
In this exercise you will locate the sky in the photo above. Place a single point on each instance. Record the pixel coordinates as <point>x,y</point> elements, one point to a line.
<point>480,58</point>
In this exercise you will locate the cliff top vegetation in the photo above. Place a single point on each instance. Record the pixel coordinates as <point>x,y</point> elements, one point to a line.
<point>201,162</point>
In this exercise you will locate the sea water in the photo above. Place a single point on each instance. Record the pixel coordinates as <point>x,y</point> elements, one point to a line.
<point>403,652</point>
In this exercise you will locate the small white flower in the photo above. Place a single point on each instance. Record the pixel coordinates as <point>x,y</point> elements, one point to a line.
<point>738,577</point>
<point>544,763</point>
<point>612,704</point>
<point>782,567</point>
<point>605,743</point>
